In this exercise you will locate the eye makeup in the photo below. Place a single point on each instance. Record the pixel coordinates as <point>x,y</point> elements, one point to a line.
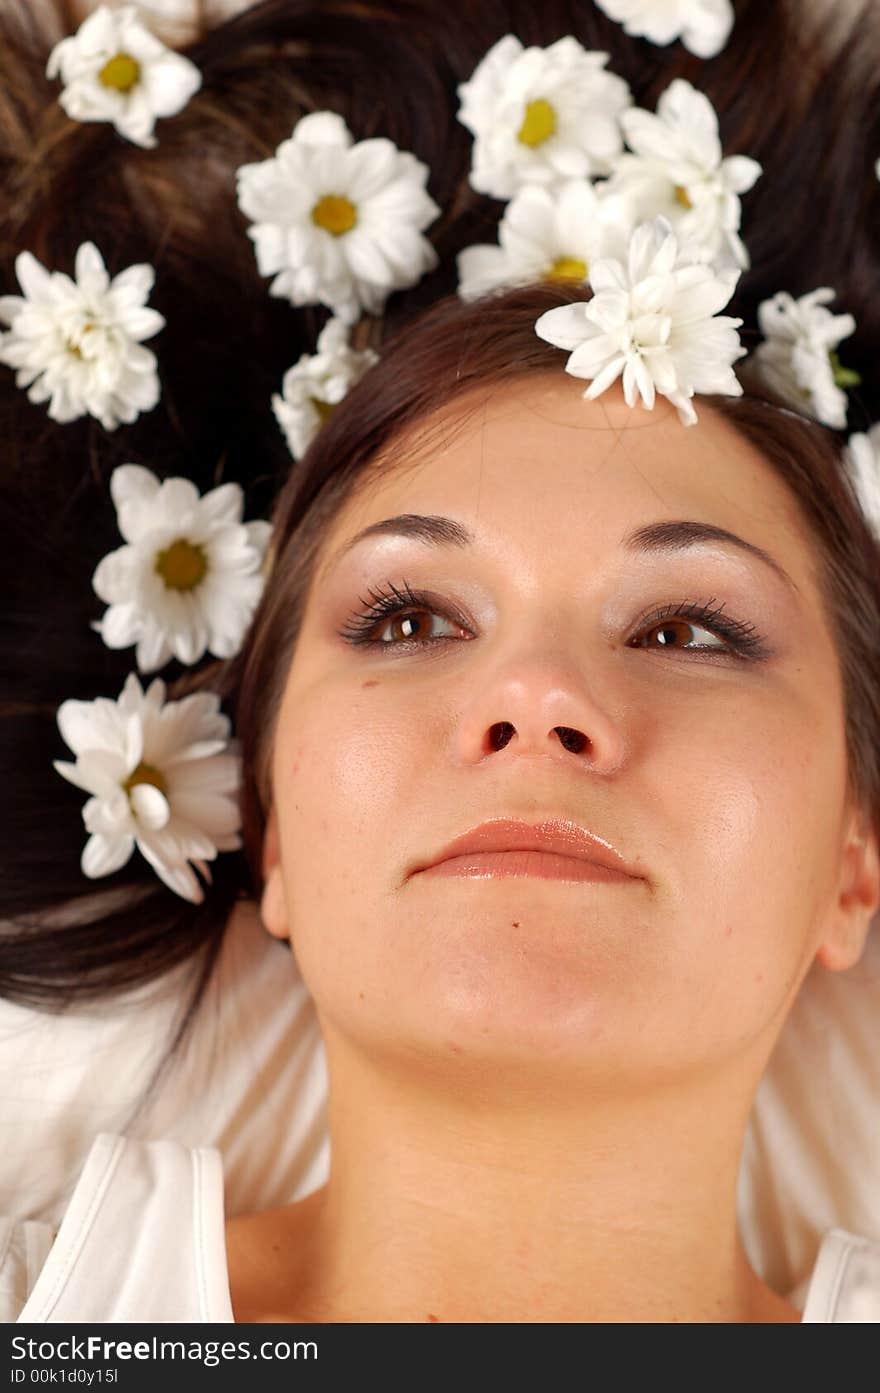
<point>741,639</point>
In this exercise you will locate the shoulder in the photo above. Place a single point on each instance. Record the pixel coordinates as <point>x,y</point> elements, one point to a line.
<point>269,1255</point>
<point>845,1285</point>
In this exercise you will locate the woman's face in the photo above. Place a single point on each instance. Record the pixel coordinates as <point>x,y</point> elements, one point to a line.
<point>720,778</point>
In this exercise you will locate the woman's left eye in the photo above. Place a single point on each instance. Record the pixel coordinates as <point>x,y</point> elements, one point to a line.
<point>406,616</point>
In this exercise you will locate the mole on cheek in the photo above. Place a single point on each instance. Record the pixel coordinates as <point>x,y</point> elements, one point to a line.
<point>371,682</point>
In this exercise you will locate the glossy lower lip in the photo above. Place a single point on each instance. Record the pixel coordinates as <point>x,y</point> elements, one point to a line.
<point>548,865</point>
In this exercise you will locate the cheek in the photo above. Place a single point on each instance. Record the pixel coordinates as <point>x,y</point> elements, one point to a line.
<point>346,790</point>
<point>343,778</point>
<point>756,825</point>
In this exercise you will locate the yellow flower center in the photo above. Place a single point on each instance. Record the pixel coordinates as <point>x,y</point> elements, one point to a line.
<point>324,409</point>
<point>567,268</point>
<point>182,566</point>
<point>122,72</point>
<point>145,774</point>
<point>335,214</point>
<point>74,348</point>
<point>538,124</point>
<point>681,196</point>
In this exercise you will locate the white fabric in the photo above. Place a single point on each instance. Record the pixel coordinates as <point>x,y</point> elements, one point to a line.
<point>251,1080</point>
<point>811,1159</point>
<point>143,1240</point>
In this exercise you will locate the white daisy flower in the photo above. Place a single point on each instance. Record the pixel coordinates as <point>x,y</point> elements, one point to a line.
<point>338,223</point>
<point>76,343</point>
<point>189,578</point>
<point>797,360</point>
<point>317,383</point>
<point>677,171</point>
<point>651,319</point>
<point>540,115</point>
<point>164,777</point>
<point>702,25</point>
<point>861,457</point>
<point>551,234</point>
<point>114,69</point>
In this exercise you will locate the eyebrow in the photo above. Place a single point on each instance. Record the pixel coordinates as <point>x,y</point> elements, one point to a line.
<point>677,535</point>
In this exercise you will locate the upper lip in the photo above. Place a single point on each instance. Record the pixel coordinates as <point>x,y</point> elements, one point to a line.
<point>560,835</point>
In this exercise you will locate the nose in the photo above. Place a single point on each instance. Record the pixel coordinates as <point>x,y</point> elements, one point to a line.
<point>545,707</point>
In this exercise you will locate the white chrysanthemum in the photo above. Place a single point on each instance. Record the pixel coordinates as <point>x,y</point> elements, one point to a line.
<point>317,383</point>
<point>77,343</point>
<point>651,320</point>
<point>547,234</point>
<point>677,171</point>
<point>702,25</point>
<point>338,223</point>
<point>540,115</point>
<point>861,458</point>
<point>114,69</point>
<point>797,360</point>
<point>190,577</point>
<point>163,776</point>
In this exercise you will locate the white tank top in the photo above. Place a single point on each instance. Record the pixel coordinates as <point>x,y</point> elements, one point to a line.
<point>143,1239</point>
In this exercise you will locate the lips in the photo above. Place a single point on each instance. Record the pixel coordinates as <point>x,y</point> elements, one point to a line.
<point>558,835</point>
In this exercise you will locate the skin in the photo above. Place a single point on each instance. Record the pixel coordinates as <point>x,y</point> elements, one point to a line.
<point>539,1089</point>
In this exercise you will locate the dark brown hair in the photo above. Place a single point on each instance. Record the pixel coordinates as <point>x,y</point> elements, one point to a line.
<point>389,67</point>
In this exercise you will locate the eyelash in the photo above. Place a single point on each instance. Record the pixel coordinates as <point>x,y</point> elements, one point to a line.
<point>743,639</point>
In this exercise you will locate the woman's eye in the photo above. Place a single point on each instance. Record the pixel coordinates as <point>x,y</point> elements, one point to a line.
<point>672,628</point>
<point>676,633</point>
<point>398,620</point>
<point>406,618</point>
<point>411,626</point>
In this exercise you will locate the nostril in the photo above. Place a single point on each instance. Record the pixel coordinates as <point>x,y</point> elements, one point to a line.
<point>573,740</point>
<point>500,734</point>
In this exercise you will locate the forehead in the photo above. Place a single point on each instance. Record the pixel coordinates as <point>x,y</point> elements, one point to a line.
<point>534,467</point>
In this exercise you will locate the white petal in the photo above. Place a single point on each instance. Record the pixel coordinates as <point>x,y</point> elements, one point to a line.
<point>565,326</point>
<point>73,774</point>
<point>153,649</point>
<point>175,874</point>
<point>86,725</point>
<point>170,83</point>
<point>215,816</point>
<point>121,626</point>
<point>322,128</point>
<point>101,855</point>
<point>222,505</point>
<point>740,172</point>
<point>91,273</point>
<point>604,379</point>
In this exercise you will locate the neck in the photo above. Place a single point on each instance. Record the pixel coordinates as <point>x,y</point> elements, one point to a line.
<point>459,1206</point>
